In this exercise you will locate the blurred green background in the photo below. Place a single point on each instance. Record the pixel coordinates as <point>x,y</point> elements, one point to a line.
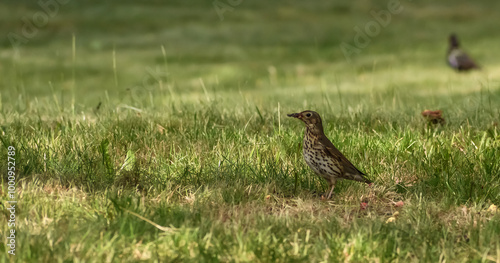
<point>129,52</point>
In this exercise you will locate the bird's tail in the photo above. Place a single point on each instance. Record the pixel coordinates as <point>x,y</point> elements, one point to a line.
<point>361,178</point>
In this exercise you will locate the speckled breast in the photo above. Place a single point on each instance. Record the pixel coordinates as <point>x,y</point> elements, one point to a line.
<point>316,157</point>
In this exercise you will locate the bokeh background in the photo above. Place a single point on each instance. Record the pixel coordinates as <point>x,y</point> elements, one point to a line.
<point>129,52</point>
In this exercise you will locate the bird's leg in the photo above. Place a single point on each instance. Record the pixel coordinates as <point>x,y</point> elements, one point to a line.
<point>330,193</point>
<point>332,185</point>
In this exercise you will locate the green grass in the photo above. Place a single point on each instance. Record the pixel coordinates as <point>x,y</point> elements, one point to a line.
<point>126,115</point>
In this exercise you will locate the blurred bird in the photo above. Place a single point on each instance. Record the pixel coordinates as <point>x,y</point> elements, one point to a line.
<point>322,156</point>
<point>457,58</point>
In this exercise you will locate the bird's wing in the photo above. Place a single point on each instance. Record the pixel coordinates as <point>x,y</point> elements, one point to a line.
<point>465,62</point>
<point>332,151</point>
<point>460,60</point>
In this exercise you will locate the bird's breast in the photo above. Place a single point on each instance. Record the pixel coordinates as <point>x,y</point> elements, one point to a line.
<point>315,157</point>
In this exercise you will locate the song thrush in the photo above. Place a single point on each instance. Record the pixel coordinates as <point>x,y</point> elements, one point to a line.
<point>322,156</point>
<point>457,58</point>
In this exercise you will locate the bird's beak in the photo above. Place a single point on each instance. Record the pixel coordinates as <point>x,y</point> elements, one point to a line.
<point>295,115</point>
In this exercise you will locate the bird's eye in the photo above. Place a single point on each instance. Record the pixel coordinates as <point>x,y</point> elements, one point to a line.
<point>308,115</point>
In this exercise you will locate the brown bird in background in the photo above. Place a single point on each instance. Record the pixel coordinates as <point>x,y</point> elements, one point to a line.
<point>322,156</point>
<point>457,58</point>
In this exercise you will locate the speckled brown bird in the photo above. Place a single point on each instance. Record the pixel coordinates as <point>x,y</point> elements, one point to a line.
<point>322,156</point>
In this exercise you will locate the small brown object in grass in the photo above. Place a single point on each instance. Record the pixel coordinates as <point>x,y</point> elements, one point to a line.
<point>434,117</point>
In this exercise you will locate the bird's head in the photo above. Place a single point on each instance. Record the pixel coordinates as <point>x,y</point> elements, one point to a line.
<point>453,41</point>
<point>310,118</point>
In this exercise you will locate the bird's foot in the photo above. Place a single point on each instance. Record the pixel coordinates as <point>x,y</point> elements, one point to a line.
<point>321,196</point>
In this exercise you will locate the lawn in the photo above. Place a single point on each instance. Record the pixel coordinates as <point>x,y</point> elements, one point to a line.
<point>157,131</point>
